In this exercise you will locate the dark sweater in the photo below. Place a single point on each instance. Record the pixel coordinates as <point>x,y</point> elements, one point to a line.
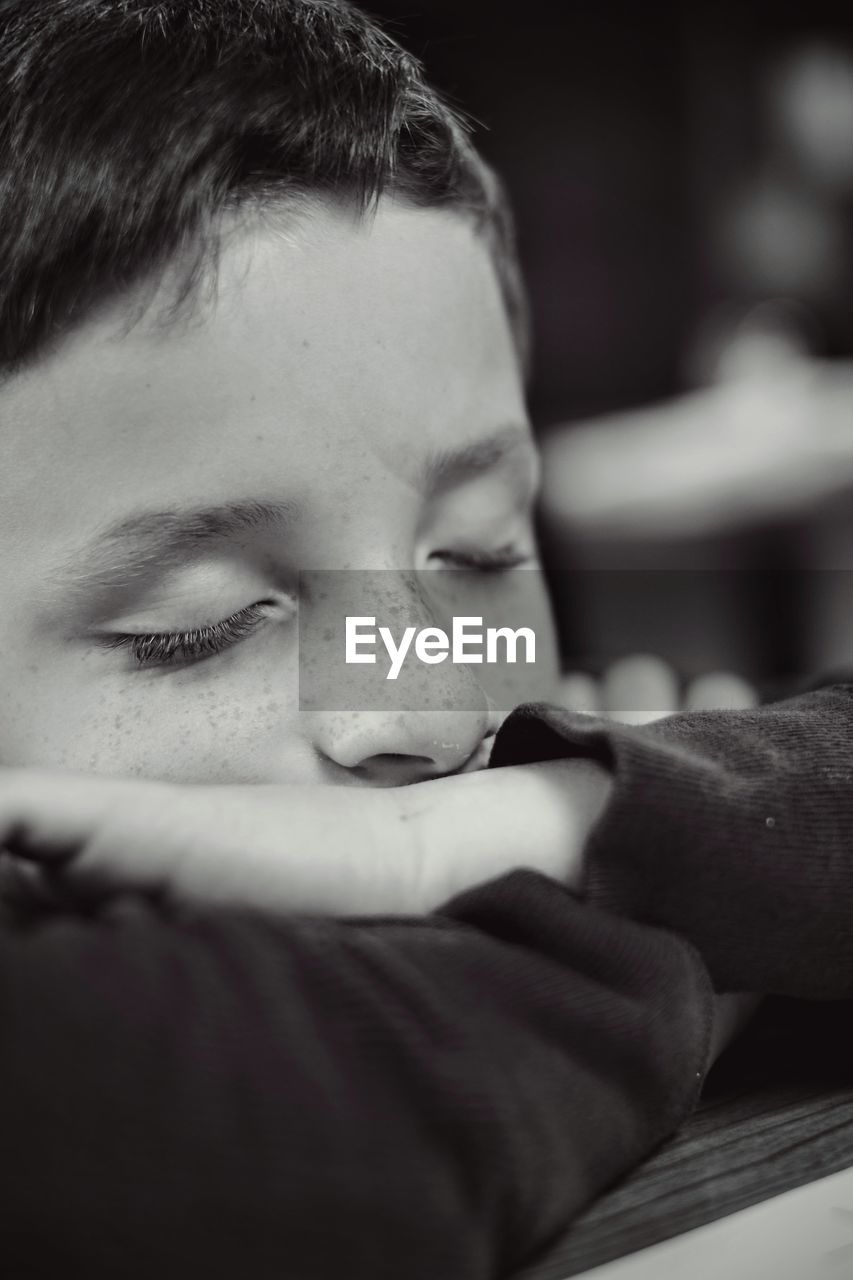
<point>226,1095</point>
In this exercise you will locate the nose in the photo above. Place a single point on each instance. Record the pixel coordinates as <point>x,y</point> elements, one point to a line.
<point>395,748</point>
<point>427,721</point>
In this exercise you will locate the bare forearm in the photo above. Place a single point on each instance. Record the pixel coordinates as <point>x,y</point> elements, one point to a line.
<point>339,851</point>
<point>466,830</point>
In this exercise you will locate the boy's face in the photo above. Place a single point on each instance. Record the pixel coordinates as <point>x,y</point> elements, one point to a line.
<point>165,478</point>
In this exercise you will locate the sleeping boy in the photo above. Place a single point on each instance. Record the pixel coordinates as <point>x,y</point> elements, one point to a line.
<point>261,317</point>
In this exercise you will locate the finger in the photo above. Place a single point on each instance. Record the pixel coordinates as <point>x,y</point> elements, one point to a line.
<point>274,848</point>
<point>93,836</point>
<point>579,692</point>
<point>720,691</point>
<point>258,847</point>
<point>49,816</point>
<point>639,689</point>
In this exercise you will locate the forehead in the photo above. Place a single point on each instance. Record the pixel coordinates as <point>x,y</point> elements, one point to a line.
<point>326,343</point>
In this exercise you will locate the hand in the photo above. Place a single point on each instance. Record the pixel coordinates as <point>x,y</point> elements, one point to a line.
<point>280,849</point>
<point>641,688</point>
<point>335,851</point>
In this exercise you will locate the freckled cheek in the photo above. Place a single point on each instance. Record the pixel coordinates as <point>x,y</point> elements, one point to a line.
<point>36,710</point>
<point>207,736</point>
<point>209,731</point>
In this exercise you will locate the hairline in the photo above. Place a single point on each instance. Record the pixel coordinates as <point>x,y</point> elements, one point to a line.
<point>194,266</point>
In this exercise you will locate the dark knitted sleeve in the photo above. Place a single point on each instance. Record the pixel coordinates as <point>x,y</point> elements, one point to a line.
<point>733,828</point>
<point>229,1095</point>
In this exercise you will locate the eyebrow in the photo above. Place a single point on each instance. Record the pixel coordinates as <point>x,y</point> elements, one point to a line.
<point>160,539</point>
<point>452,466</point>
<point>164,539</point>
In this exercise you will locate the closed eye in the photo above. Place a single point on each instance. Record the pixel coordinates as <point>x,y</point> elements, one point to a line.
<point>166,648</point>
<point>508,557</point>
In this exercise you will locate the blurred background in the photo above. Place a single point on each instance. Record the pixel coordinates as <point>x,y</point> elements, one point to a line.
<point>682,176</point>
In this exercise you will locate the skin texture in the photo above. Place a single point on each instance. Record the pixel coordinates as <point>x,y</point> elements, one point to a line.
<point>332,360</point>
<point>397,850</point>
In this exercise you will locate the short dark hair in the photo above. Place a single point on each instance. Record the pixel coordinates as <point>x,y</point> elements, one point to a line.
<point>128,126</point>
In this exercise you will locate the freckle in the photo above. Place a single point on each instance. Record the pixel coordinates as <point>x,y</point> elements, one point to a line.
<point>306,344</point>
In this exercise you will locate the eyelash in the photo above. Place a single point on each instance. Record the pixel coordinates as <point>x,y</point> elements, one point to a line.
<point>166,648</point>
<point>485,561</point>
<point>159,649</point>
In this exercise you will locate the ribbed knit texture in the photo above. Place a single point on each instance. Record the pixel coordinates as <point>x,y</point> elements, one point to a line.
<point>222,1094</point>
<point>232,1095</point>
<point>733,828</point>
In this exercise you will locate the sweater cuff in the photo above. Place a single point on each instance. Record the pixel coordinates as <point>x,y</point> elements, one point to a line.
<point>733,829</point>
